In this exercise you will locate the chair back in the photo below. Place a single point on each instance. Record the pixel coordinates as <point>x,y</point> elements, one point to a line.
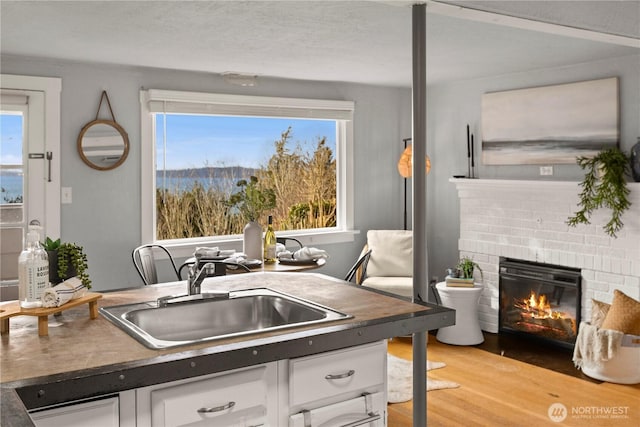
<point>359,269</point>
<point>144,260</point>
<point>391,253</point>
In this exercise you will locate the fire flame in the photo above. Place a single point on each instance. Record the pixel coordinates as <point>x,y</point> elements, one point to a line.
<point>538,307</point>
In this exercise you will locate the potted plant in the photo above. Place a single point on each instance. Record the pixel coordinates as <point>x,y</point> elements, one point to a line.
<point>462,274</point>
<point>66,260</point>
<point>604,185</point>
<point>252,201</point>
<point>465,268</point>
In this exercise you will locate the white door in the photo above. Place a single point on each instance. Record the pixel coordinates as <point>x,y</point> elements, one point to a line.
<point>29,169</point>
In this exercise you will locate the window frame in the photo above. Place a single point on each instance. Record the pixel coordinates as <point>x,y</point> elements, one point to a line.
<point>152,100</point>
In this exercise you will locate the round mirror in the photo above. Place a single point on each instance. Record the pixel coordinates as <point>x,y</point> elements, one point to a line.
<point>103,144</point>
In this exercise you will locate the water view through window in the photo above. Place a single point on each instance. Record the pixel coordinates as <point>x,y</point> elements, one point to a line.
<point>11,165</point>
<point>201,158</point>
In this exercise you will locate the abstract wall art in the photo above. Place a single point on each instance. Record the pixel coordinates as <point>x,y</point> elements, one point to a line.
<point>550,124</point>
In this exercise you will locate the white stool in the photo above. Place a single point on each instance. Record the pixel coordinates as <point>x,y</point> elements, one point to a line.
<point>464,301</point>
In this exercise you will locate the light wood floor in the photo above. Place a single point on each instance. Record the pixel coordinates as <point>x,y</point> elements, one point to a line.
<point>498,391</point>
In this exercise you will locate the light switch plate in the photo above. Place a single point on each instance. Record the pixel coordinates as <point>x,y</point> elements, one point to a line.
<point>66,195</point>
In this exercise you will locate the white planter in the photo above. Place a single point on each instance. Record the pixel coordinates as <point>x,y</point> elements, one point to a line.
<point>252,240</point>
<point>624,368</point>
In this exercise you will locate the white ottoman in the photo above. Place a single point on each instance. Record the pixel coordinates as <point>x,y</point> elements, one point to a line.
<point>464,301</point>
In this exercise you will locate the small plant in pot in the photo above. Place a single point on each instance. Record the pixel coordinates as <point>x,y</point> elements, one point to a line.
<point>462,274</point>
<point>66,260</point>
<point>465,268</point>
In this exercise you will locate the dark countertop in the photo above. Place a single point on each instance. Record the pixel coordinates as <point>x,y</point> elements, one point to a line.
<point>84,358</point>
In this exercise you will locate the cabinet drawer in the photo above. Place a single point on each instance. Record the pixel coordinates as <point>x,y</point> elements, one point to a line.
<point>102,413</point>
<point>362,411</point>
<point>330,374</point>
<point>235,399</point>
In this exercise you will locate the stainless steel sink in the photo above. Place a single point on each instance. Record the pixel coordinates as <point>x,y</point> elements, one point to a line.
<point>243,312</point>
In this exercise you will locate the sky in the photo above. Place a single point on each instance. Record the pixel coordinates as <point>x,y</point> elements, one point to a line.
<point>199,141</point>
<point>10,139</point>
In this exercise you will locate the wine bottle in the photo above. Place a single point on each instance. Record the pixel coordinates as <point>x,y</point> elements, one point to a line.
<point>270,243</point>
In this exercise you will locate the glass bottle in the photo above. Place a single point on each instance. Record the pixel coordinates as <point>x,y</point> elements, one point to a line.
<point>270,243</point>
<point>33,271</point>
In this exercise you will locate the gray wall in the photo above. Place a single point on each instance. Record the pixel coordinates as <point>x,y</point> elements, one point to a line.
<point>451,106</point>
<point>105,214</point>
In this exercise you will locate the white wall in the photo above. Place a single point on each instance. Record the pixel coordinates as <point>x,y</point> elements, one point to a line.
<point>105,214</point>
<point>526,220</point>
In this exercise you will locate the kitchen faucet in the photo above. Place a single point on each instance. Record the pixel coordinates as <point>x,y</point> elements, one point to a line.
<point>194,287</point>
<point>195,277</point>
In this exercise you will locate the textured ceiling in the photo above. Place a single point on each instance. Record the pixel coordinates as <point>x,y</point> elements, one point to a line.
<point>621,17</point>
<point>354,41</point>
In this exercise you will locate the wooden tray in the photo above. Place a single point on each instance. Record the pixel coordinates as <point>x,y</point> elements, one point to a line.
<point>13,309</point>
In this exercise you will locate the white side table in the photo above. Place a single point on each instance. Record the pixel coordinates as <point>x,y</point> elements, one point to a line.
<point>464,301</point>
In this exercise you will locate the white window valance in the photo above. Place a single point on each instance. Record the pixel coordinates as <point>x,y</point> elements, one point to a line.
<point>179,102</point>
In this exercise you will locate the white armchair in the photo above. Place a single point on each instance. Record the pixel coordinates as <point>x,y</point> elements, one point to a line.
<point>390,264</point>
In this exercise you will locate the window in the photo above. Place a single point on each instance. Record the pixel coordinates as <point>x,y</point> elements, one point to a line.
<point>11,160</point>
<point>198,146</point>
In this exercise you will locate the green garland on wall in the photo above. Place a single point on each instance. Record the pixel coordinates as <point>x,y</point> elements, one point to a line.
<point>604,185</point>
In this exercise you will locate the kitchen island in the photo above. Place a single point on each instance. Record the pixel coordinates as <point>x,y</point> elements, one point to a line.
<point>83,358</point>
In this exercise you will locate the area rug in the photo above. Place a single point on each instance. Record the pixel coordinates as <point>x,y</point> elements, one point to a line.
<point>400,378</point>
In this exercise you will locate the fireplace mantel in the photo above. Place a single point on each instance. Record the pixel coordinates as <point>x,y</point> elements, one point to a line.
<point>465,183</point>
<point>526,219</point>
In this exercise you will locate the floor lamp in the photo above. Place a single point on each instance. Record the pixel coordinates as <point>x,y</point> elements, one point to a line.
<point>405,169</point>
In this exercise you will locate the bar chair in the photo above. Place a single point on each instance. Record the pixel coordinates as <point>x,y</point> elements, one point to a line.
<point>145,262</point>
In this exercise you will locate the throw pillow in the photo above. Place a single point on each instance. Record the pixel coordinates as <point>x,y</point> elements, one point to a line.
<point>624,314</point>
<point>391,253</point>
<point>599,311</point>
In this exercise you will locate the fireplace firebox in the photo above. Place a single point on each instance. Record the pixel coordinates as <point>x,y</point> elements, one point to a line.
<point>540,301</point>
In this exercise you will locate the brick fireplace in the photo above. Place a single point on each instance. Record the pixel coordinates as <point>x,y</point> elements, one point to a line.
<point>526,220</point>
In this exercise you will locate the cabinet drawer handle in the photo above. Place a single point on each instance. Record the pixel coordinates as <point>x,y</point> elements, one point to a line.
<point>216,408</point>
<point>339,376</point>
<point>371,418</point>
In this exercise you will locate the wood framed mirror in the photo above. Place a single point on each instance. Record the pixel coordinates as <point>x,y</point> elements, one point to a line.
<point>103,144</point>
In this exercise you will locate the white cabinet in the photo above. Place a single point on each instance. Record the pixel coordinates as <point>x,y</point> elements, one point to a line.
<point>343,387</point>
<point>350,371</point>
<point>338,388</point>
<point>97,413</point>
<point>241,398</point>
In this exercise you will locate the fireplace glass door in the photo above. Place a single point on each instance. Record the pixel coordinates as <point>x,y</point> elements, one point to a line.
<point>540,301</point>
